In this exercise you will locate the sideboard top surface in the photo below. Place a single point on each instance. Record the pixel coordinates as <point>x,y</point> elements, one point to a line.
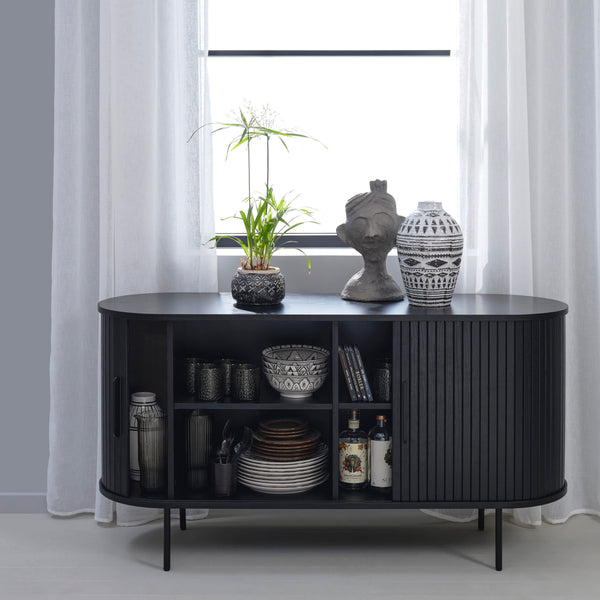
<point>189,306</point>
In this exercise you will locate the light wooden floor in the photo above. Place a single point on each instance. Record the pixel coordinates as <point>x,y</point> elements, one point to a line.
<point>292,555</point>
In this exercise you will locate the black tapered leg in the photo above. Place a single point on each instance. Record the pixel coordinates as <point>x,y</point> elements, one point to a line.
<point>167,540</point>
<point>498,539</point>
<point>480,519</point>
<point>182,520</point>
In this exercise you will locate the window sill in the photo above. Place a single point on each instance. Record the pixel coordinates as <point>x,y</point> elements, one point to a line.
<point>330,268</point>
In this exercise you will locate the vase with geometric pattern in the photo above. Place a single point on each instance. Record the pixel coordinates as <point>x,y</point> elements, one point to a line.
<point>429,244</point>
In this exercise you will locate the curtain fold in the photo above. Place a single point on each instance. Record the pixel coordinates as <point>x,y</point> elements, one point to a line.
<point>530,191</point>
<point>132,202</point>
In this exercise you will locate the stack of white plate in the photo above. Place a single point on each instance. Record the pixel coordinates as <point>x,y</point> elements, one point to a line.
<point>283,477</point>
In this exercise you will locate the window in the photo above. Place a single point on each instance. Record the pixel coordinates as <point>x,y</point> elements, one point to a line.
<point>373,81</point>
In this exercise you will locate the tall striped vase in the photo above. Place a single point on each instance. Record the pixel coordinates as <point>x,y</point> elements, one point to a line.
<point>198,446</point>
<point>140,403</point>
<point>429,245</point>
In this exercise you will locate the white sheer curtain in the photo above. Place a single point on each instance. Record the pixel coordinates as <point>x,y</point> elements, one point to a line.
<point>530,191</point>
<point>131,206</point>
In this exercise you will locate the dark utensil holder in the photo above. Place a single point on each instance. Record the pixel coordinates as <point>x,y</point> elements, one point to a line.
<point>224,479</point>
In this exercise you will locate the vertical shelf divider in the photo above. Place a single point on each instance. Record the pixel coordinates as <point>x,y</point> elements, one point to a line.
<point>170,414</point>
<point>396,412</point>
<point>335,402</point>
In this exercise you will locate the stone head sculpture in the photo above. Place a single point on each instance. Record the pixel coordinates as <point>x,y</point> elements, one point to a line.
<point>370,228</point>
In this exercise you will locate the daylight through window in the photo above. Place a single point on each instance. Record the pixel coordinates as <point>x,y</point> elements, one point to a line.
<point>378,117</point>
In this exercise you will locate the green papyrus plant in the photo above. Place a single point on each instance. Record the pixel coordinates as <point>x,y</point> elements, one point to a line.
<point>265,218</point>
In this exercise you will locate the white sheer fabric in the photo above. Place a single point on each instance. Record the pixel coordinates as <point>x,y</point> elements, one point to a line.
<point>530,191</point>
<point>131,208</point>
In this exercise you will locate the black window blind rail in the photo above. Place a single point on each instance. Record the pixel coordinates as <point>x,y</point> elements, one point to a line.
<point>312,240</point>
<point>258,53</point>
<point>325,240</point>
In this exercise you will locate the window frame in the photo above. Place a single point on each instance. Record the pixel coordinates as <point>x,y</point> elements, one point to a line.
<point>314,240</point>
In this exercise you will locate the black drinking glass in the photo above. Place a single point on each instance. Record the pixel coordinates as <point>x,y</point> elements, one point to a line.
<point>209,382</point>
<point>245,385</point>
<point>227,365</point>
<point>382,384</point>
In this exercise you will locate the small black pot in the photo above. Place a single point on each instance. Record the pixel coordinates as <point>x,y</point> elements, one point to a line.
<point>258,288</point>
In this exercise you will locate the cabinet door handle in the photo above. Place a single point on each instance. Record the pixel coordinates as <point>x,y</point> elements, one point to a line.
<point>117,406</point>
<point>405,419</point>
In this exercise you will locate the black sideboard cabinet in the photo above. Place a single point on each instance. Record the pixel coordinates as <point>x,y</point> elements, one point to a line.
<point>477,410</point>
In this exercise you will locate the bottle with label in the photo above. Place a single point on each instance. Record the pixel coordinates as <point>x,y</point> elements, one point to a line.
<point>353,454</point>
<point>380,456</point>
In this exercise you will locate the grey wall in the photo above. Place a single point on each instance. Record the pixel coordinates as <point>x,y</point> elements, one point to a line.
<point>26,134</point>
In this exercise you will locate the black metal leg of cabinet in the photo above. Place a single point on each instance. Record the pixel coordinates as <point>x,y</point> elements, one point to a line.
<point>498,539</point>
<point>167,540</point>
<point>182,520</point>
<point>480,518</point>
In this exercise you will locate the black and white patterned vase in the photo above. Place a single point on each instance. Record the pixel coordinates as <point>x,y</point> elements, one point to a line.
<point>429,245</point>
<point>258,288</point>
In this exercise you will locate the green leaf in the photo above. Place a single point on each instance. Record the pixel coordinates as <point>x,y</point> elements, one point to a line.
<point>236,239</point>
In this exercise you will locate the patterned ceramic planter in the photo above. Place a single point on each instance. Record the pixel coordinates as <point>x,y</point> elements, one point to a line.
<point>258,287</point>
<point>429,245</point>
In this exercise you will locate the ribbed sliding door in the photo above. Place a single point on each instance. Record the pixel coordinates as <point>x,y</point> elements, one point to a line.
<point>482,405</point>
<point>115,422</point>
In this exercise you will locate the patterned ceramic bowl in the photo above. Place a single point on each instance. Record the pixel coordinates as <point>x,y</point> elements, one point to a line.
<point>296,387</point>
<point>296,370</point>
<point>296,354</point>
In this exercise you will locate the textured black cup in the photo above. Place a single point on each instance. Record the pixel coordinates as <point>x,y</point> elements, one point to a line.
<point>382,384</point>
<point>191,365</point>
<point>245,384</point>
<point>209,382</point>
<point>226,365</point>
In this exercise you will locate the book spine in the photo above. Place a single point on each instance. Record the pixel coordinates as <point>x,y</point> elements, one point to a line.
<point>347,374</point>
<point>363,372</point>
<point>360,386</point>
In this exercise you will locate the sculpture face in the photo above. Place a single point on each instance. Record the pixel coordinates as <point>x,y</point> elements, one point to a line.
<point>371,228</point>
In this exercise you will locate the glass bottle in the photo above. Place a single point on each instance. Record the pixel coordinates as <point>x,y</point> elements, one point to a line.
<point>353,454</point>
<point>380,456</point>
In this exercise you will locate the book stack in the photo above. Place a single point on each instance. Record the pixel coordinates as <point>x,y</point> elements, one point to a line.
<point>355,373</point>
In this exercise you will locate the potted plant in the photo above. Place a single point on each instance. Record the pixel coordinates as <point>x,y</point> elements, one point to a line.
<point>265,218</point>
